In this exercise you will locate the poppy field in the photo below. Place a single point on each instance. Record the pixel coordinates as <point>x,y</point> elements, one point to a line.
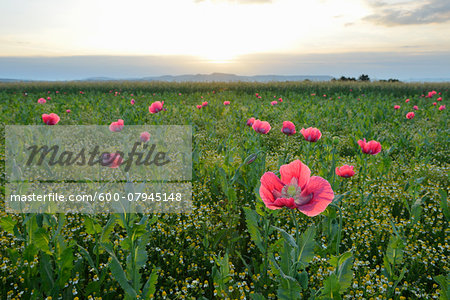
<point>300,190</point>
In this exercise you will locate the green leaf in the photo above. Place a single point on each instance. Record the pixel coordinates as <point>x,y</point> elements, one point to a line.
<point>46,272</point>
<point>303,280</point>
<point>288,289</point>
<point>331,288</point>
<point>150,285</point>
<point>287,237</point>
<point>118,273</point>
<point>394,251</point>
<point>344,271</point>
<point>257,296</point>
<point>104,238</point>
<point>444,204</point>
<point>443,283</point>
<point>41,240</point>
<point>251,218</point>
<point>88,257</point>
<point>7,223</point>
<point>306,245</point>
<point>91,227</point>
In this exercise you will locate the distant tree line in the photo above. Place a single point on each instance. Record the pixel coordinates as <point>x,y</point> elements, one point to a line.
<point>364,78</point>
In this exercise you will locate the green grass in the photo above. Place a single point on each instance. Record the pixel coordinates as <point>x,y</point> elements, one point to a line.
<point>397,197</point>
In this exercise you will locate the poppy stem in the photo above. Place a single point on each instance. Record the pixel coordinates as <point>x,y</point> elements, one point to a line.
<point>294,219</point>
<point>286,150</point>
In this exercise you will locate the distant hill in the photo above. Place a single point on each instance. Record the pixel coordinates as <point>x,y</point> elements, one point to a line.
<point>234,78</point>
<point>217,77</point>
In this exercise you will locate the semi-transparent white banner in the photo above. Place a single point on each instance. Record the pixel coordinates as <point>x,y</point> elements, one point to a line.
<point>42,161</point>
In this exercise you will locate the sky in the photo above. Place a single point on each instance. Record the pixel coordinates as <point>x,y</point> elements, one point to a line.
<point>63,40</point>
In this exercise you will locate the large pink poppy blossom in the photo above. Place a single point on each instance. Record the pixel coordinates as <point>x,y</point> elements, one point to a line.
<point>439,99</point>
<point>345,171</point>
<point>396,106</point>
<point>199,106</point>
<point>261,126</point>
<point>205,103</point>
<point>51,119</point>
<point>296,190</point>
<point>42,101</point>
<point>415,107</point>
<point>156,107</point>
<point>116,126</point>
<point>288,128</point>
<point>410,115</point>
<point>372,147</point>
<point>442,107</point>
<point>311,134</point>
<point>226,102</point>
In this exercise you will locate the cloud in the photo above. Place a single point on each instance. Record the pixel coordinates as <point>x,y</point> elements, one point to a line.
<point>238,1</point>
<point>409,13</point>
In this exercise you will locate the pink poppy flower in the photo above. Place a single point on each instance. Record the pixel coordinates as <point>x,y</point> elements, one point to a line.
<point>156,107</point>
<point>42,101</point>
<point>49,98</point>
<point>261,126</point>
<point>256,94</point>
<point>410,115</point>
<point>250,121</point>
<point>415,107</point>
<point>439,99</point>
<point>434,103</point>
<point>273,103</point>
<point>396,106</point>
<point>68,111</point>
<point>371,147</point>
<point>112,160</point>
<point>205,103</point>
<point>288,128</point>
<point>199,106</point>
<point>57,92</point>
<point>280,99</point>
<point>296,190</point>
<point>259,97</point>
<point>345,171</point>
<point>407,100</point>
<point>442,107</point>
<point>226,102</point>
<point>132,101</point>
<point>179,94</point>
<point>145,137</point>
<point>116,126</point>
<point>51,119</point>
<point>311,134</point>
